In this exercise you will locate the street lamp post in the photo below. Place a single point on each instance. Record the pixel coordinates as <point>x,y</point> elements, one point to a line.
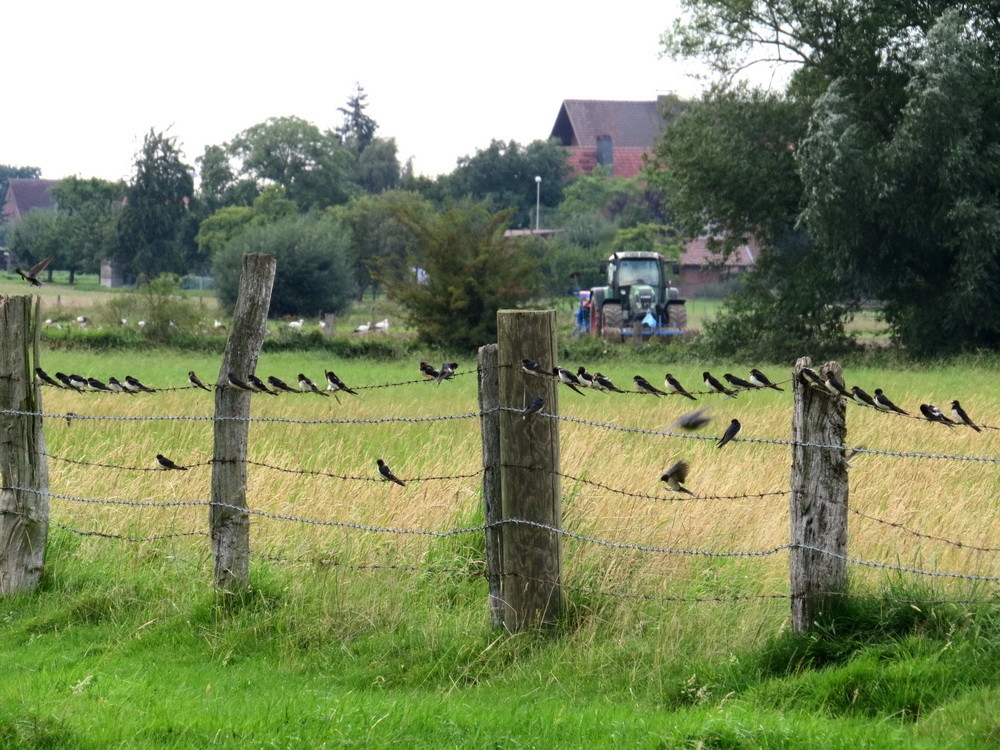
<point>538,201</point>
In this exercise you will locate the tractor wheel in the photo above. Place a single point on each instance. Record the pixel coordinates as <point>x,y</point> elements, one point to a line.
<point>677,317</point>
<point>611,315</point>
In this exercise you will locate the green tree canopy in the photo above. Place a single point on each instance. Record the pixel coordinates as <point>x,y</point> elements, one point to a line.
<point>154,227</point>
<point>312,275</point>
<point>464,270</point>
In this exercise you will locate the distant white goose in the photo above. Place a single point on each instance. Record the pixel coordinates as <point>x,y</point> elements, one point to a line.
<point>363,328</point>
<point>296,323</point>
<point>382,325</point>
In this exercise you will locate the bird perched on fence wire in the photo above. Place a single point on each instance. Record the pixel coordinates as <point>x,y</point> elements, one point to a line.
<point>760,380</point>
<point>447,371</point>
<point>133,384</point>
<point>644,386</point>
<point>166,464</point>
<point>713,385</point>
<point>934,414</point>
<point>307,386</point>
<point>961,416</point>
<point>731,432</point>
<point>534,407</point>
<point>279,385</point>
<point>429,371</point>
<point>259,385</point>
<point>738,382</point>
<point>387,475</point>
<point>568,378</point>
<point>882,402</point>
<point>193,380</point>
<point>673,385</point>
<point>45,378</point>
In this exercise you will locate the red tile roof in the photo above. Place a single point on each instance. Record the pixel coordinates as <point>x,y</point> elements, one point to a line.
<point>696,253</point>
<point>25,194</point>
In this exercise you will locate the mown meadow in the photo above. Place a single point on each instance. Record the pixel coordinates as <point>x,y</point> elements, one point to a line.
<point>358,638</point>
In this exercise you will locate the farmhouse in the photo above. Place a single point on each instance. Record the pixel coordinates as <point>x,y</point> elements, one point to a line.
<point>24,194</point>
<point>701,267</point>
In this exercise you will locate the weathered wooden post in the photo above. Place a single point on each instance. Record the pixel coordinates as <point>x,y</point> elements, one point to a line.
<point>818,500</point>
<point>24,514</point>
<point>489,423</point>
<point>329,325</point>
<point>529,482</point>
<point>228,519</point>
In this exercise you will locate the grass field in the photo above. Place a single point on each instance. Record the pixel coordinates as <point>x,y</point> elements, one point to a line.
<point>126,646</point>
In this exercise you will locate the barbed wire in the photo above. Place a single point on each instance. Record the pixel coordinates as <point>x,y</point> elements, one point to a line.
<point>124,538</point>
<point>282,420</point>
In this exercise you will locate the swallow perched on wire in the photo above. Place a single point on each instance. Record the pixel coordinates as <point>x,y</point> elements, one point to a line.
<point>676,476</point>
<point>644,386</point>
<point>133,384</point>
<point>429,371</point>
<point>387,475</point>
<point>760,380</point>
<point>835,386</point>
<point>732,431</point>
<point>96,385</point>
<point>808,376</point>
<point>738,382</point>
<point>712,384</point>
<point>193,380</point>
<point>861,397</point>
<point>673,385</point>
<point>336,384</point>
<point>603,383</point>
<point>45,378</point>
<point>962,417</point>
<point>166,464</point>
<point>67,381</point>
<point>280,385</point>
<point>447,371</point>
<point>533,368</point>
<point>568,378</point>
<point>882,402</point>
<point>260,385</point>
<point>116,385</point>
<point>934,414</point>
<point>236,382</point>
<point>31,275</point>
<point>534,407</point>
<point>693,420</point>
<point>307,386</point>
<point>585,378</point>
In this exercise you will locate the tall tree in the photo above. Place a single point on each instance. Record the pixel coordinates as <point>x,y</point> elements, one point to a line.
<point>153,226</point>
<point>358,128</point>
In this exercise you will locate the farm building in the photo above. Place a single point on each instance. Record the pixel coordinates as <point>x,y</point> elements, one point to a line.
<point>700,267</point>
<point>24,194</point>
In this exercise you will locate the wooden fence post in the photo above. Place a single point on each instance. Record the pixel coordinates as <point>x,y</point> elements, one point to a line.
<point>818,501</point>
<point>24,516</point>
<point>489,401</point>
<point>228,519</point>
<point>530,555</point>
<point>329,325</point>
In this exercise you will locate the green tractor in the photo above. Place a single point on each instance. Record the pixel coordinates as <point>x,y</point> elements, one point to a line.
<point>637,301</point>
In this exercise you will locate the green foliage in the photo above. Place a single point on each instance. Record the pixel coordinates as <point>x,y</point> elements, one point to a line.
<point>227,222</point>
<point>376,169</point>
<point>358,128</point>
<point>472,271</point>
<point>313,274</point>
<point>157,302</point>
<point>503,176</point>
<point>152,227</point>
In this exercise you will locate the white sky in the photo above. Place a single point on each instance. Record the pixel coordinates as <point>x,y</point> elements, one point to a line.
<point>86,81</point>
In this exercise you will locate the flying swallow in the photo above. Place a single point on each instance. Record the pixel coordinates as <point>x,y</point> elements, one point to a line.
<point>235,382</point>
<point>691,421</point>
<point>568,378</point>
<point>307,386</point>
<point>336,384</point>
<point>44,377</point>
<point>386,472</point>
<point>808,376</point>
<point>116,385</point>
<point>882,402</point>
<point>447,371</point>
<point>96,385</point>
<point>861,397</point>
<point>933,414</point>
<point>586,379</point>
<point>644,386</point>
<point>166,464</point>
<point>676,476</point>
<point>712,384</point>
<point>533,408</point>
<point>604,384</point>
<point>133,384</point>
<point>260,385</point>
<point>760,380</point>
<point>193,380</point>
<point>732,431</point>
<point>32,274</point>
<point>834,385</point>
<point>737,382</point>
<point>533,368</point>
<point>673,385</point>
<point>66,380</point>
<point>78,381</point>
<point>961,416</point>
<point>428,371</point>
<point>279,384</point>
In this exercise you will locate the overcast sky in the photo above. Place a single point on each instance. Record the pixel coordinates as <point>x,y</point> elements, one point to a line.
<point>86,81</point>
